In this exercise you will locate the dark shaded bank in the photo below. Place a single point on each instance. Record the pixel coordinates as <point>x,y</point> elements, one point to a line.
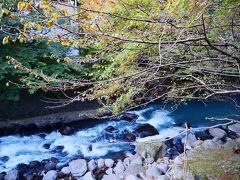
<point>33,105</point>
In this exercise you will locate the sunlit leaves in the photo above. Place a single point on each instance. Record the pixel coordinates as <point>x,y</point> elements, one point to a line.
<point>21,6</point>
<point>5,40</point>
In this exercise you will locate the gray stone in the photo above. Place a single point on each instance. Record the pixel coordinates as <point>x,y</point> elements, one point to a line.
<point>132,177</point>
<point>163,167</point>
<point>209,144</point>
<point>138,160</point>
<point>109,171</point>
<point>126,162</point>
<point>110,177</point>
<point>119,168</point>
<point>65,170</point>
<point>50,175</point>
<point>134,169</point>
<point>217,132</point>
<point>179,160</point>
<point>191,138</point>
<point>78,167</point>
<point>197,143</point>
<point>50,166</point>
<point>163,177</point>
<point>12,175</point>
<point>100,163</point>
<point>88,176</point>
<point>92,165</point>
<point>109,163</point>
<point>153,172</point>
<point>234,127</point>
<point>177,173</point>
<point>149,160</point>
<point>155,149</point>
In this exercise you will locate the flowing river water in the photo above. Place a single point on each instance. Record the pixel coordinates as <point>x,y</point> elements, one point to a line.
<point>93,142</point>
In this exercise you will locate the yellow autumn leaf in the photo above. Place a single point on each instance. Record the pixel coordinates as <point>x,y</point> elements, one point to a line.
<point>5,40</point>
<point>38,27</point>
<point>21,5</point>
<point>21,20</point>
<point>68,59</point>
<point>49,41</point>
<point>65,42</point>
<point>54,15</point>
<point>49,23</point>
<point>64,11</point>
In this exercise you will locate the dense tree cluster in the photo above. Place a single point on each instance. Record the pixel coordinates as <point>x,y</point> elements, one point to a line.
<point>141,50</point>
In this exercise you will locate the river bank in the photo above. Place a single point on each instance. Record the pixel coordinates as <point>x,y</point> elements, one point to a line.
<point>151,159</point>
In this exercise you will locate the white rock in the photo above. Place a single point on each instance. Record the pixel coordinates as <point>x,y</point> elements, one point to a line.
<point>209,144</point>
<point>88,176</point>
<point>178,160</point>
<point>134,169</point>
<point>197,143</point>
<point>110,177</point>
<point>126,162</point>
<point>217,132</point>
<point>138,160</point>
<point>119,168</point>
<point>78,167</point>
<point>92,165</point>
<point>163,177</point>
<point>100,163</point>
<point>65,170</point>
<point>109,163</point>
<point>234,127</point>
<point>153,172</point>
<point>149,160</point>
<point>50,175</point>
<point>109,171</point>
<point>163,167</point>
<point>132,177</point>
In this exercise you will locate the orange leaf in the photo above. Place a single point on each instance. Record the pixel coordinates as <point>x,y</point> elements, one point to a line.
<point>5,40</point>
<point>21,5</point>
<point>38,6</point>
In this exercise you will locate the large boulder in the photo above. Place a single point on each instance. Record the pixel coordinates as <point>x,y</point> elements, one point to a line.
<point>78,167</point>
<point>155,149</point>
<point>109,163</point>
<point>119,168</point>
<point>234,127</point>
<point>50,175</point>
<point>111,177</point>
<point>145,130</point>
<point>209,144</point>
<point>92,165</point>
<point>217,132</point>
<point>129,136</point>
<point>88,176</point>
<point>189,139</point>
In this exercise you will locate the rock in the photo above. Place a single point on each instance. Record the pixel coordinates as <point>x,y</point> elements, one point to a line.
<point>177,173</point>
<point>78,167</point>
<point>92,165</point>
<point>58,148</point>
<point>2,174</point>
<point>203,135</point>
<point>149,160</point>
<point>162,167</point>
<point>126,162</point>
<point>234,127</point>
<point>137,160</point>
<point>172,153</point>
<point>109,171</point>
<point>129,116</point>
<point>50,175</point>
<point>129,136</point>
<point>4,158</point>
<point>209,144</point>
<point>100,163</point>
<point>179,146</point>
<point>197,143</point>
<point>145,130</point>
<point>55,160</point>
<point>111,177</point>
<point>134,169</point>
<point>217,132</point>
<point>65,170</point>
<point>111,129</point>
<point>191,138</point>
<point>109,163</point>
<point>11,175</point>
<point>50,166</point>
<point>231,134</point>
<point>128,154</point>
<point>119,168</point>
<point>217,139</point>
<point>132,177</point>
<point>66,130</point>
<point>153,172</point>
<point>46,146</point>
<point>163,177</point>
<point>178,160</point>
<point>22,169</point>
<point>88,176</point>
<point>155,149</point>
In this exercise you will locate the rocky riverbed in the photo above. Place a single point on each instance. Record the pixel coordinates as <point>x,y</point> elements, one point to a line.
<point>151,159</point>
